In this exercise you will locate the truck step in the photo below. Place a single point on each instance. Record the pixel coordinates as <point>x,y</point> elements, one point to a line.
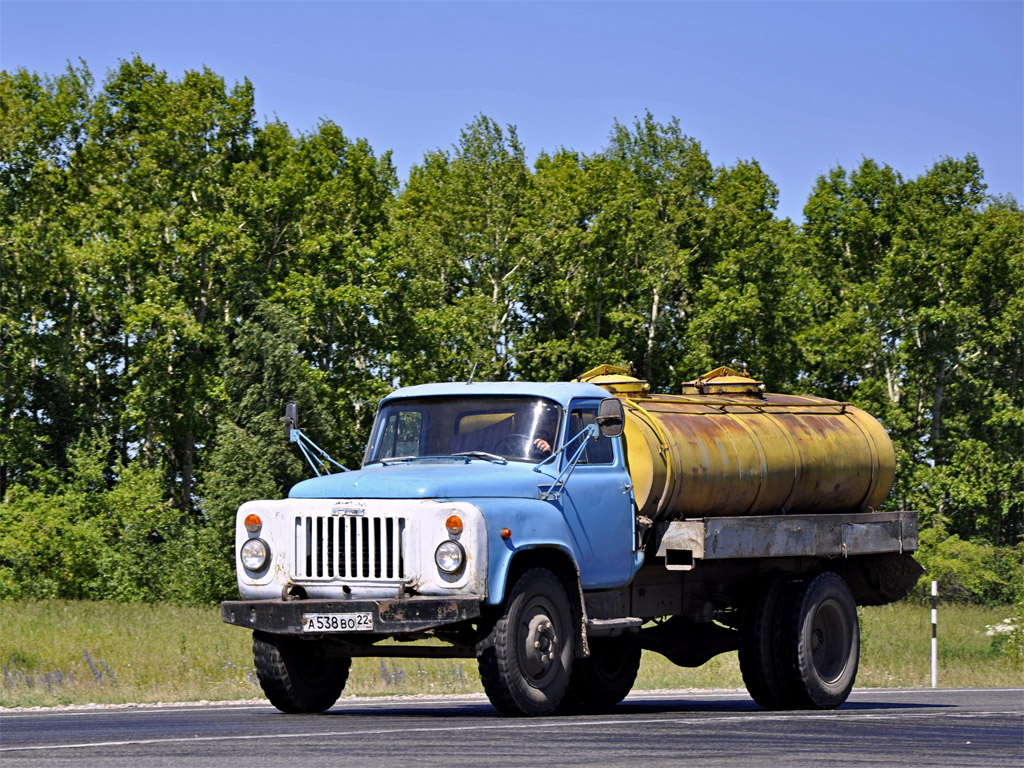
<point>613,627</point>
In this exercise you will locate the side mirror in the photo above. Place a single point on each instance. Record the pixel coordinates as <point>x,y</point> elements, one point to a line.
<point>611,417</point>
<point>291,418</point>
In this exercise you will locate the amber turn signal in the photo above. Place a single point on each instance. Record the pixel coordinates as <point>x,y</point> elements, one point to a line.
<point>453,524</point>
<point>253,523</point>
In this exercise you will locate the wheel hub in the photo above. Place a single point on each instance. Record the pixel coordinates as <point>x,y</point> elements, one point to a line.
<point>829,642</point>
<point>540,646</point>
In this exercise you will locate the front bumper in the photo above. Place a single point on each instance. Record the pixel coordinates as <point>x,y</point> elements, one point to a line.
<point>412,614</point>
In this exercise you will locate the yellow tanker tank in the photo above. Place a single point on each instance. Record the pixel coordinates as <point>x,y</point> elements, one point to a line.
<point>726,447</point>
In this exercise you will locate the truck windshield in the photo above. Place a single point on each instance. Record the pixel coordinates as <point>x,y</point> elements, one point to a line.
<point>519,429</point>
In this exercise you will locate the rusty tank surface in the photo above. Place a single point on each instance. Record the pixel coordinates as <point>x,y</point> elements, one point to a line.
<point>726,447</point>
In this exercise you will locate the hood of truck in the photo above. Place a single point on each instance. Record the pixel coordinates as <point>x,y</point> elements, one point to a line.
<point>454,480</point>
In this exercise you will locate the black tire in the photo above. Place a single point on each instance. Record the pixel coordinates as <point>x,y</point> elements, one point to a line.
<point>757,653</point>
<point>606,677</point>
<point>525,652</point>
<point>818,643</point>
<point>294,676</point>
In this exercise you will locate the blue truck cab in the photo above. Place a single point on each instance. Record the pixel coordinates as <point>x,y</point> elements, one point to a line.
<point>470,496</point>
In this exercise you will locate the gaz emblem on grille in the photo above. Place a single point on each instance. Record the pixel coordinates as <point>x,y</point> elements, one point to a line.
<point>347,511</point>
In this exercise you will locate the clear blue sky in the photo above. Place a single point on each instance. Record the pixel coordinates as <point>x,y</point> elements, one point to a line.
<point>799,86</point>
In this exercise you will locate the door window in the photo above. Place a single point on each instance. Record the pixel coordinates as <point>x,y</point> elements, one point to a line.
<point>595,452</point>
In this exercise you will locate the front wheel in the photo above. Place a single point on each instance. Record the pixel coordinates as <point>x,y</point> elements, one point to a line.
<point>525,653</point>
<point>295,676</point>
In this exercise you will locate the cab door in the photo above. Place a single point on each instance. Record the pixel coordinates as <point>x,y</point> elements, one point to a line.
<point>597,502</point>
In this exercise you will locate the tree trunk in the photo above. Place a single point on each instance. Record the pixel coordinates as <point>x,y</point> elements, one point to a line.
<point>651,336</point>
<point>187,459</point>
<point>936,426</point>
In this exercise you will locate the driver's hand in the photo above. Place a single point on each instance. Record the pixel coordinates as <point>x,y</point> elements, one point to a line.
<point>542,445</point>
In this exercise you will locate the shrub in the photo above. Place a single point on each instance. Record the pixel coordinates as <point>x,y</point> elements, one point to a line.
<point>969,571</point>
<point>1008,635</point>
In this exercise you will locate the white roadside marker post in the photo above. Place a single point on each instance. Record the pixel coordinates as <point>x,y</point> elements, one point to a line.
<point>935,635</point>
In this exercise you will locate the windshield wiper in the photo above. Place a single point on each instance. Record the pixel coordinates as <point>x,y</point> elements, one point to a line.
<point>465,456</point>
<point>391,460</point>
<point>491,457</point>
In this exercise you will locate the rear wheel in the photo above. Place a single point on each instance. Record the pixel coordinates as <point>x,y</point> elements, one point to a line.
<point>818,643</point>
<point>295,676</point>
<point>525,653</point>
<point>757,653</point>
<point>606,677</point>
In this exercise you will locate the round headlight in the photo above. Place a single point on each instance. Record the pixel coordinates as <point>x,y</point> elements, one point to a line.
<point>450,556</point>
<point>255,554</point>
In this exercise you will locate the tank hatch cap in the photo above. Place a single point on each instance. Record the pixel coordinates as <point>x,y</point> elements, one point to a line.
<point>618,381</point>
<point>725,381</point>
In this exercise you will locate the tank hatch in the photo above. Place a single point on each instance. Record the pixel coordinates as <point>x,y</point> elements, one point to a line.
<point>618,381</point>
<point>725,381</point>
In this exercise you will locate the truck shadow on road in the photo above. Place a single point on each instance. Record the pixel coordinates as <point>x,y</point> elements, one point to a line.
<point>679,706</point>
<point>660,706</point>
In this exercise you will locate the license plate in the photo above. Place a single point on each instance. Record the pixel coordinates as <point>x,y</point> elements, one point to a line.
<point>337,622</point>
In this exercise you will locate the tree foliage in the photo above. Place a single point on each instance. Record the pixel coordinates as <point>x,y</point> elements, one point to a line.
<point>173,273</point>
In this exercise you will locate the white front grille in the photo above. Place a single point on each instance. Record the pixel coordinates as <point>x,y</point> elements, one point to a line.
<point>351,547</point>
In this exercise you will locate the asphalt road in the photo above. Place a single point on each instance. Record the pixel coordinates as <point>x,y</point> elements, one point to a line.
<point>888,727</point>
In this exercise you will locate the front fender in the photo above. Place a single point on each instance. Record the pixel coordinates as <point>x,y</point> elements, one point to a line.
<point>531,524</point>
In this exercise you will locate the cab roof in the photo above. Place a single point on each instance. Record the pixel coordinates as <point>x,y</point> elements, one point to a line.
<point>561,392</point>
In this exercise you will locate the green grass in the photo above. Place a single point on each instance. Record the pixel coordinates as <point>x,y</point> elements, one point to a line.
<point>896,648</point>
<point>60,652</point>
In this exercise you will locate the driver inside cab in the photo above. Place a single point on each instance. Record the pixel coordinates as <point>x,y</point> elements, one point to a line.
<point>544,432</point>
